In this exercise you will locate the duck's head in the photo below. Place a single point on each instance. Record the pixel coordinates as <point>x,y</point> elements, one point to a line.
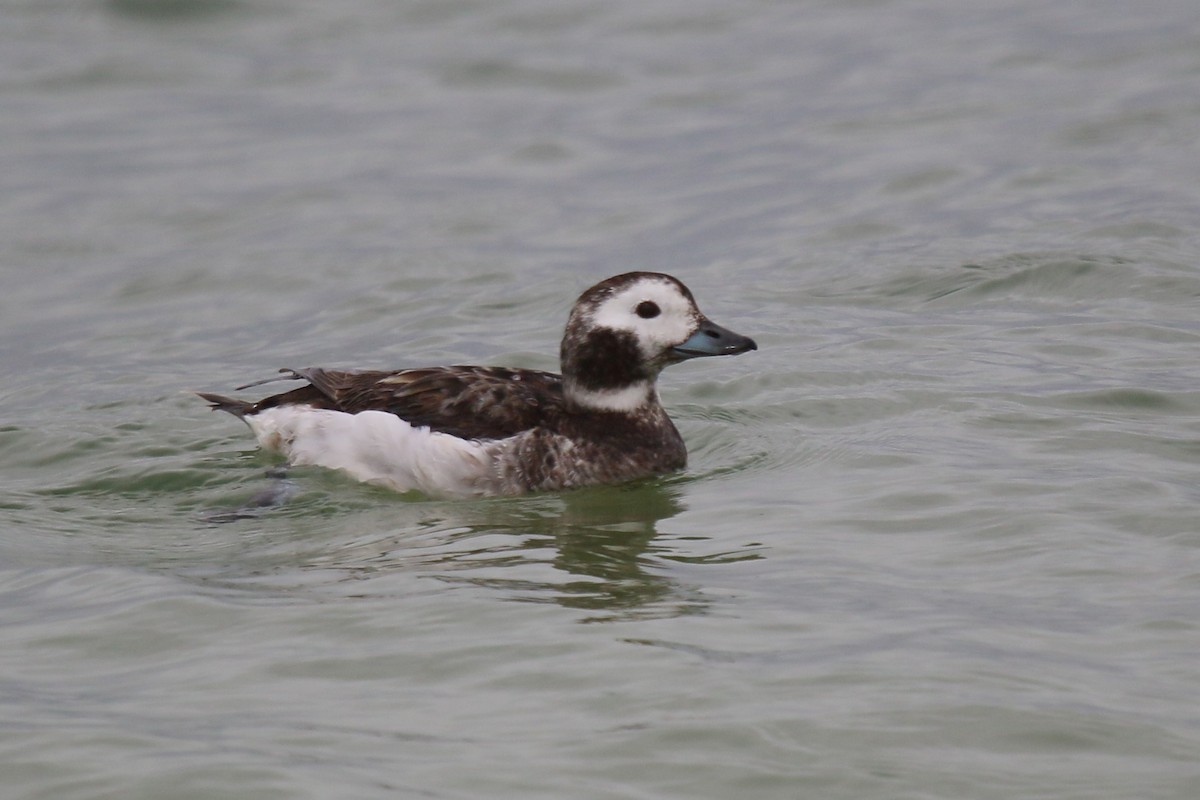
<point>623,331</point>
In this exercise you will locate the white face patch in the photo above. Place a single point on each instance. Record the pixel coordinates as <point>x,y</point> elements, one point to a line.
<point>676,320</point>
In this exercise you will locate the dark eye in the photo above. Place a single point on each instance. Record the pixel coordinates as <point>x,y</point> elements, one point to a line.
<point>647,309</point>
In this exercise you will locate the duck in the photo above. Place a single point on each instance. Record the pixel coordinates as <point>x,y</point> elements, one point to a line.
<point>475,431</point>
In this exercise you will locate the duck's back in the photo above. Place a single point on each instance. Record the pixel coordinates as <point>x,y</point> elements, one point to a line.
<point>470,402</point>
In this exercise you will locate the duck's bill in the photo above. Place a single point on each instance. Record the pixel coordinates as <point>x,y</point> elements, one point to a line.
<point>710,339</point>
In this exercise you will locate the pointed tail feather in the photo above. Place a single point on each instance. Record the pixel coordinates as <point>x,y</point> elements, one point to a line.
<point>219,402</point>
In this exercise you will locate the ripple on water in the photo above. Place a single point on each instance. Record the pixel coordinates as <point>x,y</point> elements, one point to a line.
<point>1033,277</point>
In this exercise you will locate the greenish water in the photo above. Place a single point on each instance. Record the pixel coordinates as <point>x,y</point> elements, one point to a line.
<point>939,537</point>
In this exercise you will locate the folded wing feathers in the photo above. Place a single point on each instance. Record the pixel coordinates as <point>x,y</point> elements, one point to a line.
<point>469,402</point>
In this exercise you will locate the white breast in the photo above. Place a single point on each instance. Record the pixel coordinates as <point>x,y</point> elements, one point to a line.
<point>377,447</point>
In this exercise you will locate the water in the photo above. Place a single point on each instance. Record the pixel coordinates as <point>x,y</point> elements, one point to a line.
<point>939,537</point>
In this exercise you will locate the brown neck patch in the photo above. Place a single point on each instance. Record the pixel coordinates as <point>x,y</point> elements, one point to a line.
<point>604,359</point>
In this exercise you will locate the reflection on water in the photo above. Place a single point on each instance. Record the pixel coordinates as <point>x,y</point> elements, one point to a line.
<point>305,529</point>
<point>595,549</point>
<point>598,549</point>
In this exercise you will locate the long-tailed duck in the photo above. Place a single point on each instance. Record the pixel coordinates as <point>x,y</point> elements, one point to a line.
<point>464,430</point>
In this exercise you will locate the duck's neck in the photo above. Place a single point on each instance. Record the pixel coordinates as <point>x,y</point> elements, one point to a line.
<point>623,400</point>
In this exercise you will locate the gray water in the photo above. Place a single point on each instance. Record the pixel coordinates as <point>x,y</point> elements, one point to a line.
<point>939,537</point>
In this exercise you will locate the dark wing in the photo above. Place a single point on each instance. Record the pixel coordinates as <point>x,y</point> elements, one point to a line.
<point>471,402</point>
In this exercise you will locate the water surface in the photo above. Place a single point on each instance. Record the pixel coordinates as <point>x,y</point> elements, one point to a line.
<point>938,537</point>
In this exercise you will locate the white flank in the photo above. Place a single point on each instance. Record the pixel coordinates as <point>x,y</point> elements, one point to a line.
<point>377,447</point>
<point>627,399</point>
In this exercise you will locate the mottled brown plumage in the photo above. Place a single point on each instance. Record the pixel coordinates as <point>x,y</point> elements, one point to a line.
<point>465,401</point>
